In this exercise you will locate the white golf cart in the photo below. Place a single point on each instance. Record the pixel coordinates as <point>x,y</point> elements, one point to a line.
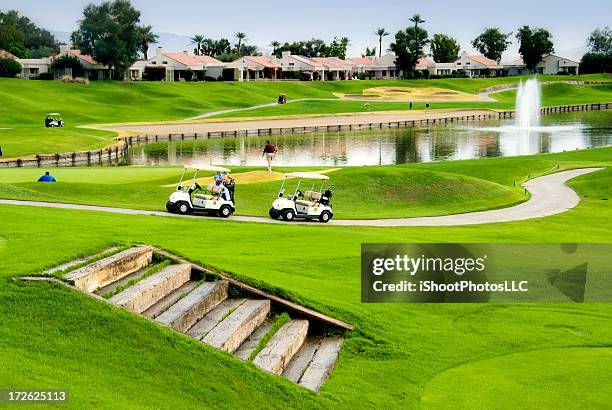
<point>215,199</point>
<point>311,204</point>
<point>53,119</point>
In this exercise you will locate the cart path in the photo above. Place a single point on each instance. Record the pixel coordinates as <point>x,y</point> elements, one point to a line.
<point>549,196</point>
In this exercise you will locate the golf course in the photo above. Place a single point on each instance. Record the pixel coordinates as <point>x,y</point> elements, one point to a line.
<point>398,355</point>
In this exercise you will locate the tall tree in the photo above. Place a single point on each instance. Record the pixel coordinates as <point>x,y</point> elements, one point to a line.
<point>275,46</point>
<point>241,37</point>
<point>369,52</point>
<point>534,44</point>
<point>109,33</point>
<point>11,37</point>
<point>600,41</point>
<point>146,37</point>
<point>492,43</point>
<point>408,46</point>
<point>380,32</point>
<point>198,40</point>
<point>444,49</point>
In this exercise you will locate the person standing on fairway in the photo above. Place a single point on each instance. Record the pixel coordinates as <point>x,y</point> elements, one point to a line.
<point>269,152</point>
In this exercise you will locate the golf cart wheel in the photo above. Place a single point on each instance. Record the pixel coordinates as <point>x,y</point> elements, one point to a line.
<point>225,211</point>
<point>274,214</point>
<point>325,216</point>
<point>183,208</point>
<point>288,215</point>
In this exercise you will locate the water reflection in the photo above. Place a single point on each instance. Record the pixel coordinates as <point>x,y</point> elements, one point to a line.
<point>493,139</point>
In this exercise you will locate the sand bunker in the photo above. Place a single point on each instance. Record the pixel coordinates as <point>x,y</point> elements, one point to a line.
<point>410,94</point>
<point>251,177</point>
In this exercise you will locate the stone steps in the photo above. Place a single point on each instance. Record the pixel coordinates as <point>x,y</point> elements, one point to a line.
<point>108,270</point>
<point>144,294</point>
<point>284,344</point>
<point>302,358</point>
<point>214,317</point>
<point>249,345</point>
<point>188,310</point>
<point>178,297</point>
<point>322,363</point>
<point>173,297</point>
<point>232,331</point>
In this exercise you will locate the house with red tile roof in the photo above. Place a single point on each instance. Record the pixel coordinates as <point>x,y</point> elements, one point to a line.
<point>93,69</point>
<point>257,68</point>
<point>472,65</point>
<point>295,66</point>
<point>550,64</point>
<point>177,64</point>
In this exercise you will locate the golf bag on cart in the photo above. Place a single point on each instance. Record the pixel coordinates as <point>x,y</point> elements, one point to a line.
<point>326,197</point>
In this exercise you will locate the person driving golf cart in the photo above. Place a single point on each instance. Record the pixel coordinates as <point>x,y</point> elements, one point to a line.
<point>53,120</point>
<point>282,99</point>
<point>311,204</point>
<point>215,199</point>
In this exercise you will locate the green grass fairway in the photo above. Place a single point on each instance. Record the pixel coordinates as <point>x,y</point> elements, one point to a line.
<point>373,192</point>
<point>427,189</point>
<point>526,376</point>
<point>398,357</point>
<point>25,104</point>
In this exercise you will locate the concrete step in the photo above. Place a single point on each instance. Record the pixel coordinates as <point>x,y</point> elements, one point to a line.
<point>165,303</point>
<point>108,270</point>
<point>300,361</point>
<point>212,318</point>
<point>231,332</point>
<point>78,261</point>
<point>322,363</point>
<point>188,310</point>
<point>283,345</point>
<point>144,294</point>
<point>111,287</point>
<point>249,345</point>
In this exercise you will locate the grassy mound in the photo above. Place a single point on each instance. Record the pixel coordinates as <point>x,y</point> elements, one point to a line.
<point>567,375</point>
<point>375,192</point>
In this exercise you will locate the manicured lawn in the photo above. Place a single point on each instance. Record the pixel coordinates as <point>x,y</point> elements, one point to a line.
<point>25,104</point>
<point>552,95</point>
<point>399,356</point>
<point>373,192</point>
<point>437,188</point>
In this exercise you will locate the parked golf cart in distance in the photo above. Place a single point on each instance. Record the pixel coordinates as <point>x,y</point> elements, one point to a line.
<point>311,204</point>
<point>53,119</point>
<point>214,200</point>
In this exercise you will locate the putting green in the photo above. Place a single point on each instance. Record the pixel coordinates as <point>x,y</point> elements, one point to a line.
<point>546,378</point>
<point>250,177</point>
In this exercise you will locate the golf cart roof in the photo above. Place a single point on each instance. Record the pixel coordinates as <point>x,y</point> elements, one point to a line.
<point>53,114</point>
<point>206,167</point>
<point>306,175</point>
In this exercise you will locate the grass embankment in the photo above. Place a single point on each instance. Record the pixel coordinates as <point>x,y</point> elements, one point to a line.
<point>372,192</point>
<point>428,189</point>
<point>401,356</point>
<point>25,103</point>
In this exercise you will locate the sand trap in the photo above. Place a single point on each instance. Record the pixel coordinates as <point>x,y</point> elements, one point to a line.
<point>251,177</point>
<point>410,94</point>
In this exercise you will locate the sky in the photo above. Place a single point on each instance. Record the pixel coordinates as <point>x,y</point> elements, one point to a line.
<point>569,21</point>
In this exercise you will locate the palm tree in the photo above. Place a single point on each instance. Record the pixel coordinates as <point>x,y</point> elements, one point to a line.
<point>146,37</point>
<point>240,36</point>
<point>416,19</point>
<point>198,41</point>
<point>381,32</point>
<point>275,46</point>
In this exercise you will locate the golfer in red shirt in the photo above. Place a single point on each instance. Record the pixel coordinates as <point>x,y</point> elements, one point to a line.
<point>269,152</point>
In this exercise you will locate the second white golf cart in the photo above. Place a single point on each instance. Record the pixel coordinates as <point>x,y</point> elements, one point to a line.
<point>215,199</point>
<point>311,204</point>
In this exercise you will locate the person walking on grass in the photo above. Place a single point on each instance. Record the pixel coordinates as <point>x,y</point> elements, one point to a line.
<point>269,152</point>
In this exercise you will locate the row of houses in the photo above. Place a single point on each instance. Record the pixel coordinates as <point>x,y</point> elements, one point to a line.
<point>180,66</point>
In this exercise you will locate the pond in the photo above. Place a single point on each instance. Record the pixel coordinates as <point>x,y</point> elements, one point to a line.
<point>563,132</point>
